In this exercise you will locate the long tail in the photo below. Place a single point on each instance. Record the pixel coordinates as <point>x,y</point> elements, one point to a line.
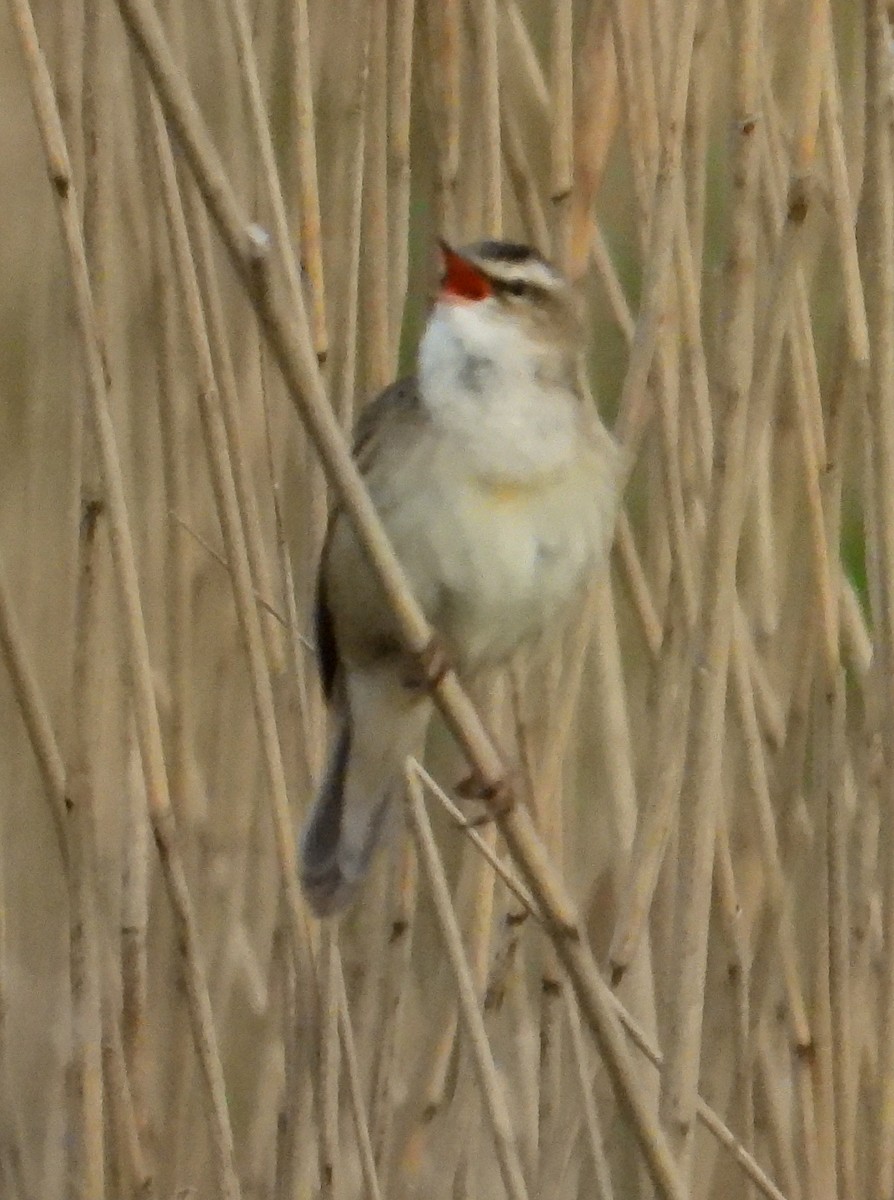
<point>384,723</point>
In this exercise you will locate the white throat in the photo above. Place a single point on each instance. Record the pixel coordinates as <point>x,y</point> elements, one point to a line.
<point>496,391</point>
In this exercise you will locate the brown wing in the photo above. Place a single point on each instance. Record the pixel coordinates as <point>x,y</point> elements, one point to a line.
<point>398,404</point>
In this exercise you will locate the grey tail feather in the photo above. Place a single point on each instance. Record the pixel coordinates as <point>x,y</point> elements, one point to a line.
<point>327,886</point>
<point>320,872</point>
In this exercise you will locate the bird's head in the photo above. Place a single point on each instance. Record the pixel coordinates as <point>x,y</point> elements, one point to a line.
<point>504,301</point>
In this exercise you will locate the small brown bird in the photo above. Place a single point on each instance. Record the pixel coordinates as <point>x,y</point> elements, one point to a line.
<point>498,487</point>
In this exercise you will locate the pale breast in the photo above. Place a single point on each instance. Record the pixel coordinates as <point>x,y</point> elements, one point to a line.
<point>494,564</point>
<point>492,561</point>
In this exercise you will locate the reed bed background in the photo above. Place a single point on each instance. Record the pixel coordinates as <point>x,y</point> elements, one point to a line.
<point>668,968</point>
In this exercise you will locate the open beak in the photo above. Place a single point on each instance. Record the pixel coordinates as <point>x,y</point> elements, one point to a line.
<point>461,280</point>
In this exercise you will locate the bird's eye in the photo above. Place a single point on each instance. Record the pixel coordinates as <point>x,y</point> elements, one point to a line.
<point>515,287</point>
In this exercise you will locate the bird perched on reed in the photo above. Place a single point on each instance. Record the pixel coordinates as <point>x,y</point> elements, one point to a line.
<point>498,487</point>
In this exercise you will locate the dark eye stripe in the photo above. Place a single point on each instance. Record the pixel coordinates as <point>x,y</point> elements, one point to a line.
<point>515,287</point>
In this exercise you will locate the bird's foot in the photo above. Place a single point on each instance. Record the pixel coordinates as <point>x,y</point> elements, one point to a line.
<point>499,797</point>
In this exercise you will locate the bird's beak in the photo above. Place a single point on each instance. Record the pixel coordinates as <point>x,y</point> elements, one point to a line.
<point>462,281</point>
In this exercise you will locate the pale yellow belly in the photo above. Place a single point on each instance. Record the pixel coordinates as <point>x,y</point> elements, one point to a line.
<point>493,565</point>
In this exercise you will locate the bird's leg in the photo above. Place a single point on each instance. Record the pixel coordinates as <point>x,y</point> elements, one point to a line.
<point>499,797</point>
<point>425,670</point>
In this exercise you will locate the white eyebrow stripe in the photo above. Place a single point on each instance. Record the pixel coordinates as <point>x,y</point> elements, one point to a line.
<point>535,272</point>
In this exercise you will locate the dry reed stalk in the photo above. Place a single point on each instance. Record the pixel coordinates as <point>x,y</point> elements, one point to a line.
<point>561,140</point>
<point>395,1007</point>
<point>285,1172</point>
<point>614,291</point>
<point>620,761</point>
<point>768,704</point>
<point>639,96</point>
<point>88,1147</point>
<point>375,264</point>
<point>638,587</point>
<point>659,812</point>
<point>230,955</point>
<point>697,423</point>
<point>809,410</point>
<point>310,705</point>
<point>679,546</point>
<point>550,1091</point>
<point>562,708</point>
<point>123,557</point>
<point>844,1078</point>
<point>777,1114</point>
<point>260,1137</point>
<point>475,900</point>
<point>352,173</point>
<point>829,721</point>
<point>657,555</point>
<point>250,80</point>
<point>702,771</point>
<point>877,219</point>
<point>262,602</point>
<point>428,1092</point>
<point>442,26</point>
<point>508,987</point>
<point>400,79</point>
<point>735,1079</point>
<point>639,88</point>
<point>591,1121</point>
<point>35,716</point>
<point>705,1113</point>
<point>236,531</point>
<point>310,225</point>
<point>544,790</point>
<point>522,180</point>
<point>697,139</point>
<point>595,123</point>
<point>631,107</point>
<point>329,1063</point>
<point>804,1034</point>
<point>844,210</point>
<point>633,413</point>
<point>370,982</point>
<point>228,392</point>
<point>484,22</point>
<point>778,910</point>
<point>46,751</point>
<point>849,393</point>
<point>355,1090</point>
<point>13,1170</point>
<point>124,1117</point>
<point>178,607</point>
<point>488,1080</point>
<point>808,1136</point>
<point>763,534</point>
<point>269,182</point>
<point>528,67</point>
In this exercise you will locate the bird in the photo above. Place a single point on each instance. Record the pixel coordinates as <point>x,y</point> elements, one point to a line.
<point>498,486</point>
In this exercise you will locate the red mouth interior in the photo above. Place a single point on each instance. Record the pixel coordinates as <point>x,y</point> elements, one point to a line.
<point>462,279</point>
